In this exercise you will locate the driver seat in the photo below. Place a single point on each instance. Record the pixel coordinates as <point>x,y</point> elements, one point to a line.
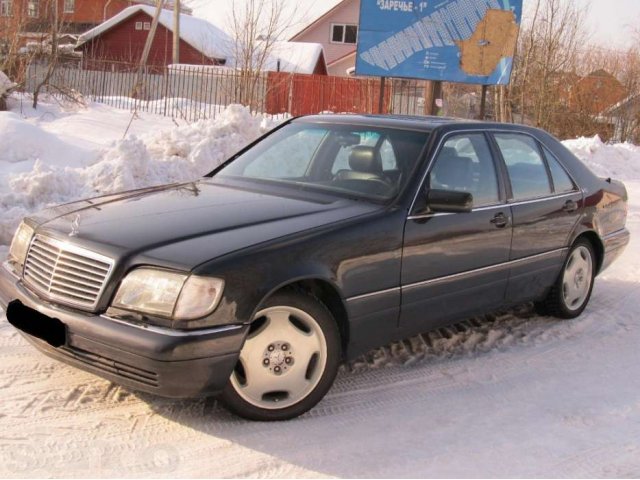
<point>365,163</point>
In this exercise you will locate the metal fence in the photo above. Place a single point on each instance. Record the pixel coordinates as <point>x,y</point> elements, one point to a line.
<point>199,92</point>
<point>181,91</point>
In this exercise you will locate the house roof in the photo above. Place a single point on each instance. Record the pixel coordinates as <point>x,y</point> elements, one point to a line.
<point>167,4</point>
<point>343,58</point>
<point>632,101</point>
<point>294,57</point>
<point>601,73</point>
<point>331,6</point>
<point>197,32</point>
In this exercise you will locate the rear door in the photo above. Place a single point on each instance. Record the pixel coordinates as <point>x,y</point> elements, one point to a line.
<point>546,205</point>
<point>456,264</point>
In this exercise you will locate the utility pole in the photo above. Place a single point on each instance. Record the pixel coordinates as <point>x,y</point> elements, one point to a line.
<point>176,31</point>
<point>147,50</point>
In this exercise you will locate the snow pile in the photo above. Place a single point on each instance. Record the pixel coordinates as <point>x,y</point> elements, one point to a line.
<point>64,155</point>
<point>24,142</point>
<point>620,161</point>
<point>174,155</point>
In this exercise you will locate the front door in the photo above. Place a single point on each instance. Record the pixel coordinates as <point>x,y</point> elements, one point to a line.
<point>454,265</point>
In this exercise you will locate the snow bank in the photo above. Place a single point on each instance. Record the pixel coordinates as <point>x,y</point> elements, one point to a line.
<point>56,159</point>
<point>620,161</point>
<point>24,142</point>
<point>183,153</point>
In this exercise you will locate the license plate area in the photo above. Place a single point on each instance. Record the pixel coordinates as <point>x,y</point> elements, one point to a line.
<point>36,324</point>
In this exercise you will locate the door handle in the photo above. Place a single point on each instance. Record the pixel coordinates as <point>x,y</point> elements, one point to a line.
<point>500,220</point>
<point>570,206</point>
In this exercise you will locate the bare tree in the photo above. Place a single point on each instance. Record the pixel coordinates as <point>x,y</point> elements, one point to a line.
<point>52,51</point>
<point>547,62</point>
<point>12,59</point>
<point>525,53</point>
<point>256,26</point>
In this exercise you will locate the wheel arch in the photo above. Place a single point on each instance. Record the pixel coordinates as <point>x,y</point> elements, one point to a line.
<point>596,242</point>
<point>326,292</point>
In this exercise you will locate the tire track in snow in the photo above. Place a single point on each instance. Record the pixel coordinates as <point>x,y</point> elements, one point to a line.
<point>405,373</point>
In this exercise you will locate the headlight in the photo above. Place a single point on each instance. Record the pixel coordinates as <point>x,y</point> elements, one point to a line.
<point>169,294</point>
<point>20,243</point>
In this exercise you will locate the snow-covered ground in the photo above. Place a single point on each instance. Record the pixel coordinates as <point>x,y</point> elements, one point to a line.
<point>510,394</point>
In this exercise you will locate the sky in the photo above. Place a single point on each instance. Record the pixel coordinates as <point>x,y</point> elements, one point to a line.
<point>610,21</point>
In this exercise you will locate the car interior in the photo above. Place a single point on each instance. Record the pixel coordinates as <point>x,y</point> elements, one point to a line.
<point>370,162</point>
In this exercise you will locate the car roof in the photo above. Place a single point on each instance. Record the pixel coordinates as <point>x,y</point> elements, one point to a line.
<point>412,122</point>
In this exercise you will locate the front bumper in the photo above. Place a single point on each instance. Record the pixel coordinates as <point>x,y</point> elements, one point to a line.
<point>169,363</point>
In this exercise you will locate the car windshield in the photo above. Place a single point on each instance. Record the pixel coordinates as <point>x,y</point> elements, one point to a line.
<point>360,161</point>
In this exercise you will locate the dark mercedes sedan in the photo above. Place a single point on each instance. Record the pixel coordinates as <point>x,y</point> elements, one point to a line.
<point>327,237</point>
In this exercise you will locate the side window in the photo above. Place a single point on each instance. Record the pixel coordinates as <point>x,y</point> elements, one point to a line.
<point>388,156</point>
<point>465,164</point>
<point>526,167</point>
<point>289,158</point>
<point>561,180</point>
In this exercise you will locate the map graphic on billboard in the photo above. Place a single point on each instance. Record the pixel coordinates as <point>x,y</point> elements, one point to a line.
<point>467,41</point>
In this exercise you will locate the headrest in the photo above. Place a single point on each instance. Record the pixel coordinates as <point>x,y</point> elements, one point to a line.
<point>448,152</point>
<point>365,159</point>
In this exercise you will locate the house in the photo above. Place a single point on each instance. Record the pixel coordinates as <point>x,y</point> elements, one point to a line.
<point>30,21</point>
<point>596,92</point>
<point>122,39</point>
<point>625,117</point>
<point>337,31</point>
<point>296,57</point>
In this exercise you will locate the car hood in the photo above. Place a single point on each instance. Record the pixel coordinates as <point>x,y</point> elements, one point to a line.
<point>182,226</point>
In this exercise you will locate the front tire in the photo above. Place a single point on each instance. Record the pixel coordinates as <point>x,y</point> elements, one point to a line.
<point>288,362</point>
<point>570,294</point>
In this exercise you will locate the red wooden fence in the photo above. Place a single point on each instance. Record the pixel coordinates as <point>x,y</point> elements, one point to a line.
<point>300,94</point>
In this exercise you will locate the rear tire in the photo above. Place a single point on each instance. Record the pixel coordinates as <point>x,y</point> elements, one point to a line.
<point>571,292</point>
<point>288,362</point>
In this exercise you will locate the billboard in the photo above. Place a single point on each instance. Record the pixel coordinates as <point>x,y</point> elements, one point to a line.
<point>467,41</point>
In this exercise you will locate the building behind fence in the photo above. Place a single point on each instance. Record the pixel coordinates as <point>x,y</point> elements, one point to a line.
<point>195,93</point>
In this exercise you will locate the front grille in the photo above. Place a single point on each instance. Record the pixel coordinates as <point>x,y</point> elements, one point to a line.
<point>66,273</point>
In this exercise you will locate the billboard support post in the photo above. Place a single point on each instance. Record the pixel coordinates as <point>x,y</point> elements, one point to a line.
<point>483,102</point>
<point>381,99</point>
<point>432,93</point>
<point>437,95</point>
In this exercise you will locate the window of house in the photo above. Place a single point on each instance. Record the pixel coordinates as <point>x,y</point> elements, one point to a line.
<point>147,25</point>
<point>69,6</point>
<point>5,8</point>
<point>341,33</point>
<point>33,8</point>
<point>138,25</point>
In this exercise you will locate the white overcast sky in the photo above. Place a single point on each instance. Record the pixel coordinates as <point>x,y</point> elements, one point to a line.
<point>610,21</point>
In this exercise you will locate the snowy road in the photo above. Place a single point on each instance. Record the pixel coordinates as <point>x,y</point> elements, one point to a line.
<point>506,395</point>
<point>509,395</point>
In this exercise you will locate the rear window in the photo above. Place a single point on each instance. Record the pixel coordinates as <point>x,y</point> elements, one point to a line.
<point>526,167</point>
<point>562,182</point>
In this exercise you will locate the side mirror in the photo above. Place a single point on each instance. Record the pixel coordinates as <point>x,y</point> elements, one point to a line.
<point>449,201</point>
